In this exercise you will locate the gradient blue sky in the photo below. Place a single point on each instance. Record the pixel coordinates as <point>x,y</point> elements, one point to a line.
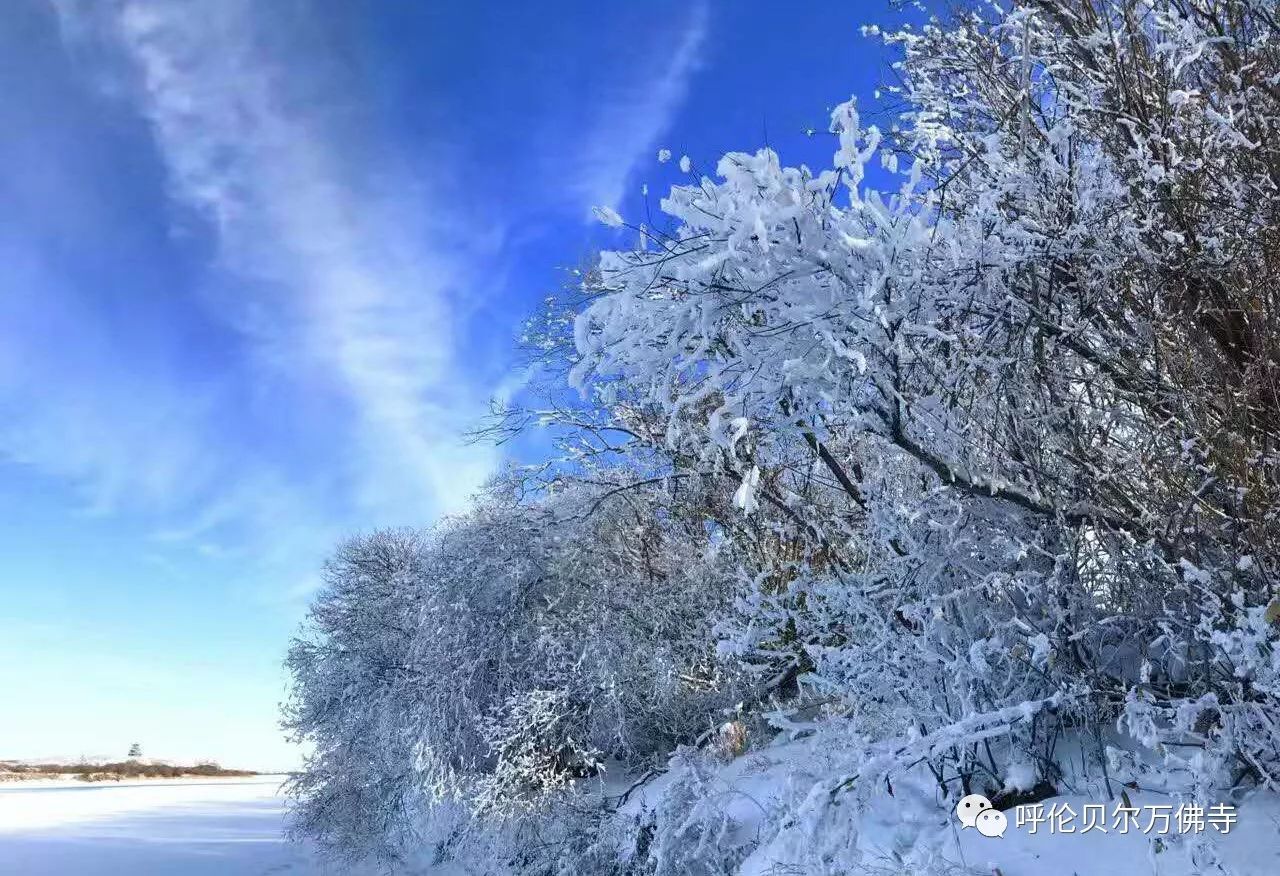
<point>263,262</point>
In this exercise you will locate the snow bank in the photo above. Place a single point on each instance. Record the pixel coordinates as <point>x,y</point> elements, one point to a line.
<point>769,820</point>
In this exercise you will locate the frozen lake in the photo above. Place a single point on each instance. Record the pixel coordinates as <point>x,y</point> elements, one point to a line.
<point>195,827</point>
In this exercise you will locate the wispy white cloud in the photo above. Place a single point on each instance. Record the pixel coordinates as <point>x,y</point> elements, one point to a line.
<point>630,123</point>
<point>338,289</point>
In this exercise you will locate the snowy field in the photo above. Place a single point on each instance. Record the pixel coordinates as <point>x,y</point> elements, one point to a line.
<point>148,828</point>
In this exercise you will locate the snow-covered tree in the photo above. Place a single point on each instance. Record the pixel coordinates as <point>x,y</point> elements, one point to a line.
<point>504,656</point>
<point>966,442</point>
<point>1041,364</point>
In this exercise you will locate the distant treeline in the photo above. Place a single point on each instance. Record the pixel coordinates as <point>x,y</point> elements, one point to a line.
<point>128,769</point>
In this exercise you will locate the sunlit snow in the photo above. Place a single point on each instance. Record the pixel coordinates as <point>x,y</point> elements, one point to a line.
<point>196,827</point>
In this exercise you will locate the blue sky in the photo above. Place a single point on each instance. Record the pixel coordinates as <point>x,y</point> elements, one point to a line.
<point>263,264</point>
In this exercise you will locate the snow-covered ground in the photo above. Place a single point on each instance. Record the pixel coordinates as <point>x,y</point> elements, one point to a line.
<point>148,828</point>
<point>231,827</point>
